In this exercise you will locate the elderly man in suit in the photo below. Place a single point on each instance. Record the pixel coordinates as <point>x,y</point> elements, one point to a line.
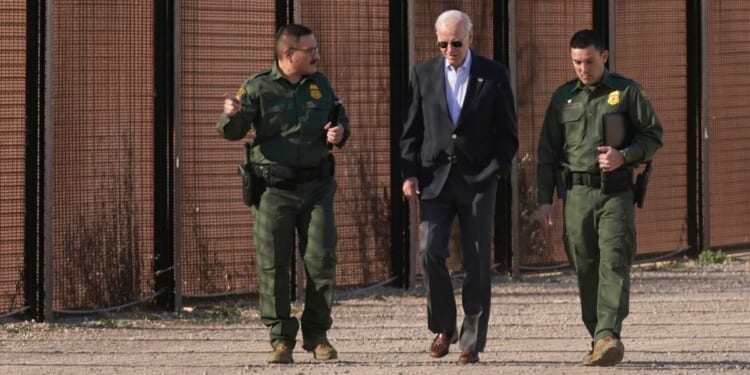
<point>459,136</point>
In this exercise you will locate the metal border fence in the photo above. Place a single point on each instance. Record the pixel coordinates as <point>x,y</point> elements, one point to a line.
<point>117,192</point>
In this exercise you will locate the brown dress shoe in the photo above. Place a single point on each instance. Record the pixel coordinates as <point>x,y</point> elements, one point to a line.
<point>440,344</point>
<point>467,357</point>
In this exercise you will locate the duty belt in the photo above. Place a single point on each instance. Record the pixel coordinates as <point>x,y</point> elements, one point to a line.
<point>585,179</point>
<point>614,182</point>
<point>277,175</point>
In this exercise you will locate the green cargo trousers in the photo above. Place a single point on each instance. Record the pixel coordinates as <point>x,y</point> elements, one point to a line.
<point>600,245</point>
<point>309,210</point>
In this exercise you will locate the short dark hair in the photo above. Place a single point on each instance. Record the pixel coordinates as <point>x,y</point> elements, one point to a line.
<point>587,38</point>
<point>288,35</point>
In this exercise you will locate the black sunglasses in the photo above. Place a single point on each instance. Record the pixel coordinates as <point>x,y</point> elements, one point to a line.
<point>454,44</point>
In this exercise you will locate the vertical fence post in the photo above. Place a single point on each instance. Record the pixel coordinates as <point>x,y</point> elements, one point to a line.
<point>46,173</point>
<point>601,20</point>
<point>164,228</point>
<point>33,276</point>
<point>399,65</point>
<point>697,147</point>
<point>284,12</point>
<point>504,208</point>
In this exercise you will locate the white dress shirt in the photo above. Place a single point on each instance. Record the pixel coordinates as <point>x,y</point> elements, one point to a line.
<point>456,81</point>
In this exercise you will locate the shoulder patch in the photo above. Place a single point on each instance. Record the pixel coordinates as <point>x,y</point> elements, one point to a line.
<point>240,93</point>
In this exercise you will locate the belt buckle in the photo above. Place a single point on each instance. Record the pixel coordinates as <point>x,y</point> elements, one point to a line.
<point>585,179</point>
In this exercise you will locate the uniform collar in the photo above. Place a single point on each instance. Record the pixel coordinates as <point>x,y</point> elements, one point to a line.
<point>276,74</point>
<point>275,71</point>
<point>606,80</point>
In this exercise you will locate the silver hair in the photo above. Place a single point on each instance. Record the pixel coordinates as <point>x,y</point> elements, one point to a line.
<point>454,16</point>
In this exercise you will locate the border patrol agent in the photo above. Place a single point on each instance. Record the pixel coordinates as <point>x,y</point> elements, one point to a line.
<point>594,175</point>
<point>288,107</point>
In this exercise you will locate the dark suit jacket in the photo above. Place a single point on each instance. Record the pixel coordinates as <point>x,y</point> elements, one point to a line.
<point>483,142</point>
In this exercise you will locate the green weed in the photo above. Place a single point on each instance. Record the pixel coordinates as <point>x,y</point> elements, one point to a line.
<point>377,297</point>
<point>226,312</point>
<point>708,256</point>
<point>112,323</point>
<point>18,329</point>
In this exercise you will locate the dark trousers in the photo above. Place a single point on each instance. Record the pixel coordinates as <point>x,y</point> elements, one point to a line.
<point>475,211</point>
<point>601,246</point>
<point>308,209</point>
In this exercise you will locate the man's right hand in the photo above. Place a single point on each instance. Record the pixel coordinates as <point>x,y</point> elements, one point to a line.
<point>410,188</point>
<point>544,215</point>
<point>231,104</point>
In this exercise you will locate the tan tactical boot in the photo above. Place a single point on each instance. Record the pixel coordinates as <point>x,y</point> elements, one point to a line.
<point>282,353</point>
<point>608,351</point>
<point>587,358</point>
<point>321,348</point>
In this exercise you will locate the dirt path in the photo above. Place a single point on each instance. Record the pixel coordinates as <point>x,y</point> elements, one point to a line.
<point>684,319</point>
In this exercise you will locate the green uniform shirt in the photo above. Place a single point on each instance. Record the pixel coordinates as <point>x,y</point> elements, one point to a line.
<point>288,119</point>
<point>572,128</point>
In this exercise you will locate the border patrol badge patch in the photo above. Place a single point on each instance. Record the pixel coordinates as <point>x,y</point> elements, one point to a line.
<point>315,91</point>
<point>614,97</point>
<point>239,93</point>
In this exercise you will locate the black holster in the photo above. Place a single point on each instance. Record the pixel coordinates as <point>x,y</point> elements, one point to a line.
<point>563,181</point>
<point>640,186</point>
<point>252,185</point>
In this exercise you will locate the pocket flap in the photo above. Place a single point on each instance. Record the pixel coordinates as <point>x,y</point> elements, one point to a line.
<point>571,115</point>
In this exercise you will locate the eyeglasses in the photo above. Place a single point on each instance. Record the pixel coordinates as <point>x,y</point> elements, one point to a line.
<point>309,51</point>
<point>454,44</point>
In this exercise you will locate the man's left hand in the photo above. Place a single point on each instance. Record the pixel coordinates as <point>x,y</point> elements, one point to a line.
<point>609,158</point>
<point>334,134</point>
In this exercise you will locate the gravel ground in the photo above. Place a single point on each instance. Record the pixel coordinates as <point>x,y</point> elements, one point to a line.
<point>685,319</point>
